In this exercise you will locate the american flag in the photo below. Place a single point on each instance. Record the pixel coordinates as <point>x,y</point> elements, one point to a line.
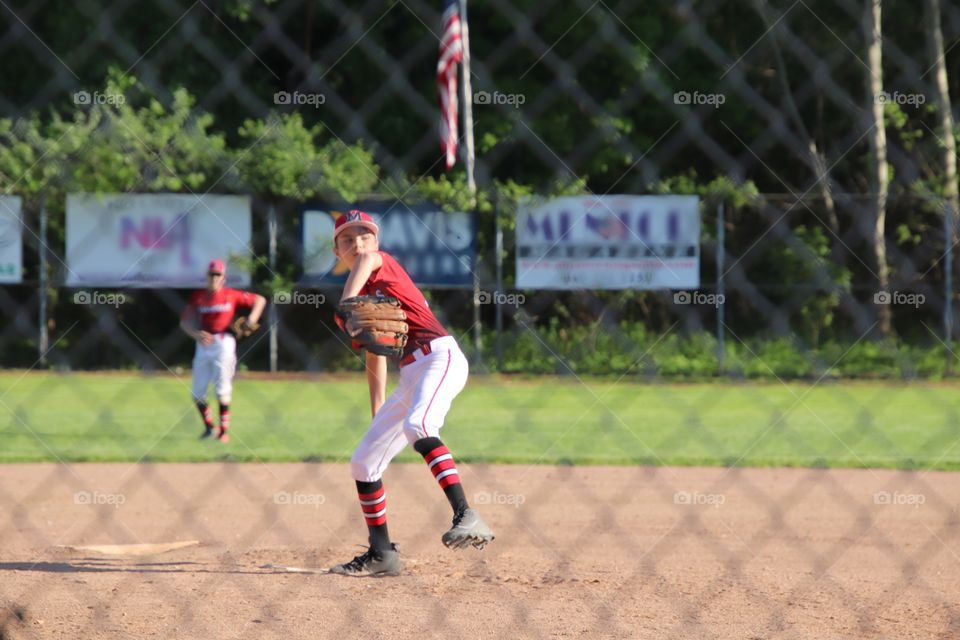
<point>451,53</point>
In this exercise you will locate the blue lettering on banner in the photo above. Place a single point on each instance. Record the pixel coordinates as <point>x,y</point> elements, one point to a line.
<point>436,248</point>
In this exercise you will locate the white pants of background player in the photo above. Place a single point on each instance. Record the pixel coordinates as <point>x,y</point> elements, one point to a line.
<point>416,408</point>
<point>216,363</point>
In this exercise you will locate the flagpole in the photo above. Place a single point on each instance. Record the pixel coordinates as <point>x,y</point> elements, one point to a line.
<point>467,101</point>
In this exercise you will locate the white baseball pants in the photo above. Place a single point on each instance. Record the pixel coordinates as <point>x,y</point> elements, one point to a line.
<point>216,363</point>
<point>416,409</point>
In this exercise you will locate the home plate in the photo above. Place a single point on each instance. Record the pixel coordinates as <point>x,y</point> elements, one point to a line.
<point>147,549</point>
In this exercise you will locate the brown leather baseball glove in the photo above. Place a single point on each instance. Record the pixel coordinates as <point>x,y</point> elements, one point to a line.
<point>379,322</point>
<point>241,327</point>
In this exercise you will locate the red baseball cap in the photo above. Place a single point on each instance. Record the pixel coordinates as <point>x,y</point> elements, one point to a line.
<point>217,266</point>
<point>355,218</point>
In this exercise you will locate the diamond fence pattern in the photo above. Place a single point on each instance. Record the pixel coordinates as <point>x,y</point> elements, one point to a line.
<point>630,416</point>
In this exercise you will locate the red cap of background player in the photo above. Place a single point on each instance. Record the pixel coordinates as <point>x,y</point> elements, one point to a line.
<point>355,218</point>
<point>217,266</point>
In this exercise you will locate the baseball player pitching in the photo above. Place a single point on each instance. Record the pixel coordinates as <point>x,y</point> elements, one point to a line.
<point>209,320</point>
<point>433,371</point>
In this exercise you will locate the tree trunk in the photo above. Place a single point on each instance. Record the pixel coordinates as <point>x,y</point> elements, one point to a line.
<point>949,150</point>
<point>944,112</point>
<point>879,170</point>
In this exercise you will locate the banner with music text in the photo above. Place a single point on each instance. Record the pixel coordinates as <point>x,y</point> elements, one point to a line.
<point>609,242</point>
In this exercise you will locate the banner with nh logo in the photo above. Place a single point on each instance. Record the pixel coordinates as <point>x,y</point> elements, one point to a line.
<point>154,240</point>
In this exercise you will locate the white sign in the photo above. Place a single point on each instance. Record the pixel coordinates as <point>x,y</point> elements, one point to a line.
<point>11,240</point>
<point>609,242</point>
<point>154,240</point>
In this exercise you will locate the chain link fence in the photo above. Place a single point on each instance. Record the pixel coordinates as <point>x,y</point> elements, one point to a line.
<point>819,342</point>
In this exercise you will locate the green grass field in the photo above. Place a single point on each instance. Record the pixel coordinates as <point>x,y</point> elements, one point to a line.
<point>130,417</point>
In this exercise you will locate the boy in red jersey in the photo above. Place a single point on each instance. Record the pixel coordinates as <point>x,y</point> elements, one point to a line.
<point>206,319</point>
<point>433,371</point>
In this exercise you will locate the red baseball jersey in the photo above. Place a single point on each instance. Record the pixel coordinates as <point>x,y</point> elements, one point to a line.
<point>391,280</point>
<point>217,308</point>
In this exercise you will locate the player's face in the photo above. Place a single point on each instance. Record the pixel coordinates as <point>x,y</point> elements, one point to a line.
<point>355,242</point>
<point>214,281</point>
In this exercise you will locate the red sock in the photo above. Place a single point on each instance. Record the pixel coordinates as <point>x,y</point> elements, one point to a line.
<point>373,502</point>
<point>205,414</point>
<point>441,464</point>
<point>444,469</point>
<point>374,506</point>
<point>224,417</point>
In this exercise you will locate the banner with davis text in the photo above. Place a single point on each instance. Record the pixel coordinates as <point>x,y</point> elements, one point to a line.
<point>155,240</point>
<point>437,249</point>
<point>609,242</point>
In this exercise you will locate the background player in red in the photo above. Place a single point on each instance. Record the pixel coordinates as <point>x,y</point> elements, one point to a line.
<point>433,371</point>
<point>206,319</point>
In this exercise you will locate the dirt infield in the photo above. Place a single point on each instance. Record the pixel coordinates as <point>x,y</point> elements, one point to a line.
<point>581,552</point>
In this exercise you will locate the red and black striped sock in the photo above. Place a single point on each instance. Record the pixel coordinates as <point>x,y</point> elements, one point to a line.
<point>373,502</point>
<point>224,417</point>
<point>440,461</point>
<point>205,414</point>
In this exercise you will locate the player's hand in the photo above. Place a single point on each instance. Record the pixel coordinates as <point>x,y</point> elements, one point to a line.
<point>204,337</point>
<point>351,327</point>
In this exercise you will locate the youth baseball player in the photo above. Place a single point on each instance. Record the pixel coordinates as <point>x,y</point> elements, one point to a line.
<point>208,319</point>
<point>433,371</point>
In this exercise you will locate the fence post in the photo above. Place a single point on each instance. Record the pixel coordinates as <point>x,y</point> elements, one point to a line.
<point>272,249</point>
<point>721,261</point>
<point>43,343</point>
<point>499,265</point>
<point>948,287</point>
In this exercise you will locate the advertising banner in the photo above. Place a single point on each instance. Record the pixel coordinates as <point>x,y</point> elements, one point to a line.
<point>154,240</point>
<point>609,242</point>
